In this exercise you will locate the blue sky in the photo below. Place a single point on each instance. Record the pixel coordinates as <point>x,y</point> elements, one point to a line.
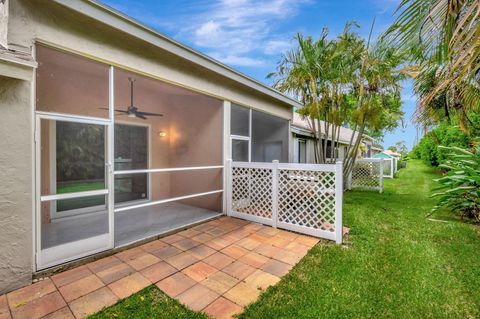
<point>251,35</point>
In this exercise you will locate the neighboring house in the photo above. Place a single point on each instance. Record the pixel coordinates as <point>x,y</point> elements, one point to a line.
<point>392,153</point>
<point>303,141</point>
<point>376,149</point>
<point>113,133</point>
<point>390,167</point>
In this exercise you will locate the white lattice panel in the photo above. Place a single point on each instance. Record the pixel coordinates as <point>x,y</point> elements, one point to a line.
<point>367,173</point>
<point>307,199</point>
<point>252,191</point>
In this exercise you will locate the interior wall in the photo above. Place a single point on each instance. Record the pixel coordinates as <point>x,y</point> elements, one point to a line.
<point>16,184</point>
<point>193,128</point>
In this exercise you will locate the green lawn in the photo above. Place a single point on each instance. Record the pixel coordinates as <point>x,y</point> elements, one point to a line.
<point>394,264</point>
<point>146,304</point>
<point>79,187</point>
<point>74,203</point>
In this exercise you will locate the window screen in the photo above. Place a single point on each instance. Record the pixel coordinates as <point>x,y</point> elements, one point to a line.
<point>240,150</point>
<point>269,138</point>
<point>131,152</point>
<point>240,120</point>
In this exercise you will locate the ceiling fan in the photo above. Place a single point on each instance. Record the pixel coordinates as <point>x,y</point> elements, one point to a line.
<point>132,111</point>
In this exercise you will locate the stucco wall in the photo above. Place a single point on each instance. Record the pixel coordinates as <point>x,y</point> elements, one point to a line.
<point>15,184</point>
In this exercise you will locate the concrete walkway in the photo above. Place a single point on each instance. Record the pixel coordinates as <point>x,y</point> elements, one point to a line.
<point>217,267</point>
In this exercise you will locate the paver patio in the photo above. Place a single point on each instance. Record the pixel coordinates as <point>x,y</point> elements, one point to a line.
<point>217,267</point>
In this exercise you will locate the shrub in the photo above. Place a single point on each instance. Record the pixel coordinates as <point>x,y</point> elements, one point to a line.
<point>445,134</point>
<point>460,188</point>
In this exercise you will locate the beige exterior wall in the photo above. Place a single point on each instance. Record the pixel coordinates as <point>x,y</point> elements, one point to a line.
<point>32,21</point>
<point>15,184</point>
<point>3,23</point>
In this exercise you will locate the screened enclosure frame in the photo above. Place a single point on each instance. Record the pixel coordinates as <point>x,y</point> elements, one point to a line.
<point>267,135</point>
<point>74,250</point>
<point>238,137</point>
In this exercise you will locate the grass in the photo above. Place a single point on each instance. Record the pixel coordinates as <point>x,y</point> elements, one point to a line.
<point>79,187</point>
<point>74,203</point>
<point>146,304</point>
<point>395,264</point>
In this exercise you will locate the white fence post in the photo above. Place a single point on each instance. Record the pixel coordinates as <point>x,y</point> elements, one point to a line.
<point>275,193</point>
<point>338,202</point>
<point>381,175</point>
<point>229,187</point>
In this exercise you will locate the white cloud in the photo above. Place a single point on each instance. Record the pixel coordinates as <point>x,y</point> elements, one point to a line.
<point>238,60</point>
<point>277,46</point>
<point>208,29</point>
<point>235,30</point>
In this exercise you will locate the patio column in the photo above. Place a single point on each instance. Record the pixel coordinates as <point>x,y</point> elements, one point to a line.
<point>227,149</point>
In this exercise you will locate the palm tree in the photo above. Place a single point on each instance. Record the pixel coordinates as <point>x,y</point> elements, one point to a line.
<point>343,81</point>
<point>442,38</point>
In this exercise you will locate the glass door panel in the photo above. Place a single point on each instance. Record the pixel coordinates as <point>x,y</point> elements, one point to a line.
<point>73,210</point>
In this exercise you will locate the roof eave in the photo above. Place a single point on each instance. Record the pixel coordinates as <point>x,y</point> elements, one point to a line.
<point>120,21</point>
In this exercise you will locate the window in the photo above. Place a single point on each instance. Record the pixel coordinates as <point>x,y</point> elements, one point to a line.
<point>302,151</point>
<point>269,138</point>
<point>240,150</point>
<point>240,133</point>
<point>331,151</point>
<point>240,120</point>
<point>131,152</point>
<point>73,160</point>
<point>257,136</point>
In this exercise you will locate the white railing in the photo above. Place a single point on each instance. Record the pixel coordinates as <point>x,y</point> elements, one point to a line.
<point>306,198</point>
<point>367,173</point>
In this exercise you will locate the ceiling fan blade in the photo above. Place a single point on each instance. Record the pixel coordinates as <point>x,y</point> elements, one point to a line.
<point>150,114</point>
<point>106,108</point>
<point>139,115</point>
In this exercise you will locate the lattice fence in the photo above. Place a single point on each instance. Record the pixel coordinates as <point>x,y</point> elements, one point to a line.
<point>367,173</point>
<point>304,198</point>
<point>252,193</point>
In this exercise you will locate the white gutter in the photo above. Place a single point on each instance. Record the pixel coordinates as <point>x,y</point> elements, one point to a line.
<point>124,23</point>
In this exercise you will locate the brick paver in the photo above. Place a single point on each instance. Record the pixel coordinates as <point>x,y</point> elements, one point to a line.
<point>217,267</point>
<point>222,308</point>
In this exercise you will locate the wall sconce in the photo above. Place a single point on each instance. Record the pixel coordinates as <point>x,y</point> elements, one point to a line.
<point>162,133</point>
